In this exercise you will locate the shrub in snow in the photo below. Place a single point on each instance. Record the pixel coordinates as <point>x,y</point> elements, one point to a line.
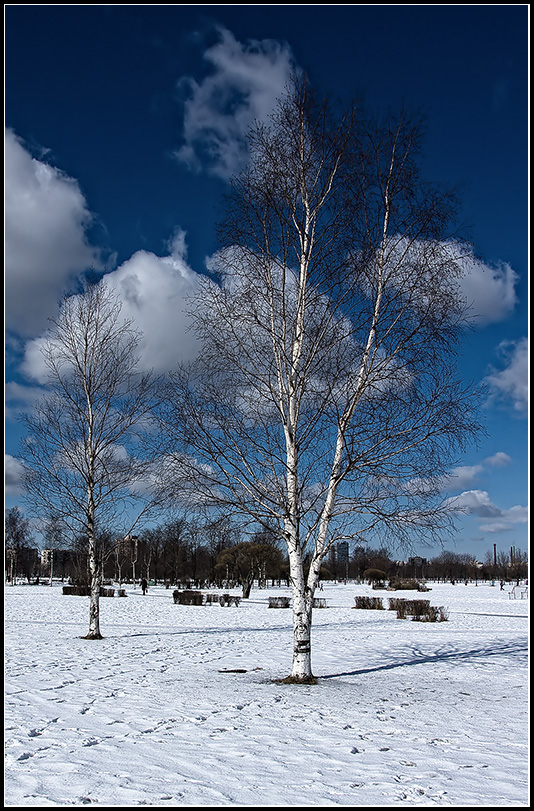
<point>85,591</point>
<point>418,610</point>
<point>433,614</point>
<point>279,602</point>
<point>187,597</point>
<point>408,608</point>
<point>368,602</point>
<point>229,599</point>
<point>408,585</point>
<point>418,607</point>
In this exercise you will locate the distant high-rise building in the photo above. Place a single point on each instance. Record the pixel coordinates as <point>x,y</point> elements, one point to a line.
<point>339,559</point>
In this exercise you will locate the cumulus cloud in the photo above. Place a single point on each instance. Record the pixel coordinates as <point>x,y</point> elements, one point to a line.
<point>13,474</point>
<point>46,219</point>
<point>153,291</point>
<point>478,503</point>
<point>488,288</point>
<point>510,383</point>
<point>475,502</point>
<point>244,85</point>
<point>19,399</point>
<point>461,477</point>
<point>507,521</point>
<point>499,459</point>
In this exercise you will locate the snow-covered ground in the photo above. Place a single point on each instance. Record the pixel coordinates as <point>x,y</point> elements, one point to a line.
<point>404,713</point>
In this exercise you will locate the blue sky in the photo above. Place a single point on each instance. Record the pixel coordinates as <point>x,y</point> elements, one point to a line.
<point>119,144</point>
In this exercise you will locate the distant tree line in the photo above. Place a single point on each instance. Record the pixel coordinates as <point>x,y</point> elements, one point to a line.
<point>447,566</point>
<point>196,550</point>
<point>184,550</point>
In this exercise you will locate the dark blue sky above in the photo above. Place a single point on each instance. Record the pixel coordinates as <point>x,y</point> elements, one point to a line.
<point>93,81</point>
<point>98,92</point>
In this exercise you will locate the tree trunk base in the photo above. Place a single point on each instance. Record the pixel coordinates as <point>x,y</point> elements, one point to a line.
<point>298,680</point>
<point>92,636</point>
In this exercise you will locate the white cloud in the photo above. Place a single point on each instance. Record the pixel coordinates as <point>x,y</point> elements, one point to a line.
<point>510,384</point>
<point>488,289</point>
<point>13,473</point>
<point>499,459</point>
<point>153,292</point>
<point>478,503</point>
<point>19,399</point>
<point>475,502</point>
<point>46,218</point>
<point>461,476</point>
<point>246,81</point>
<point>508,519</point>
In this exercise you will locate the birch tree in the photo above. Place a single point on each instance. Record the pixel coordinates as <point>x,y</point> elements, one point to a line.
<point>325,400</point>
<point>84,451</point>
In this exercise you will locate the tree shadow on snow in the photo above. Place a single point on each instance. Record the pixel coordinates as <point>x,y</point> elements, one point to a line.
<point>511,649</point>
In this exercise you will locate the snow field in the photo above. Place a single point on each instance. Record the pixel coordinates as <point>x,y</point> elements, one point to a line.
<point>404,713</point>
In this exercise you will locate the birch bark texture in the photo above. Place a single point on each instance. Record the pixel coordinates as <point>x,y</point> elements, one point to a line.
<point>325,399</point>
<point>84,453</point>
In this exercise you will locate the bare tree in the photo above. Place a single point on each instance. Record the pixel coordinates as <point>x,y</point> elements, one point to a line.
<point>17,538</point>
<point>219,533</point>
<point>53,536</point>
<point>84,453</point>
<point>248,561</point>
<point>325,401</point>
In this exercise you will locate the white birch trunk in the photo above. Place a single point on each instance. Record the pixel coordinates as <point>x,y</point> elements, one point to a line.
<point>302,593</point>
<point>302,620</point>
<point>94,598</point>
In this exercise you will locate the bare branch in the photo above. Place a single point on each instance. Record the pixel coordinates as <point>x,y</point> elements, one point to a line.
<point>326,380</point>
